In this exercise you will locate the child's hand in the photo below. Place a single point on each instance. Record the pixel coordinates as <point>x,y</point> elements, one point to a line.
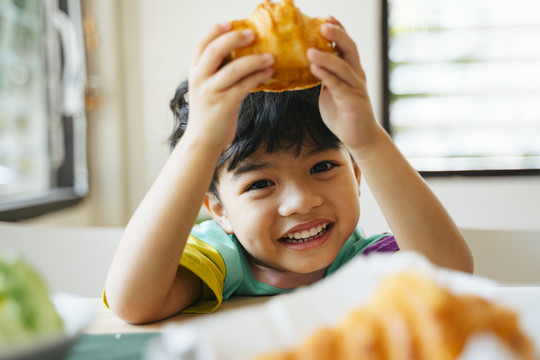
<point>344,102</point>
<point>215,91</point>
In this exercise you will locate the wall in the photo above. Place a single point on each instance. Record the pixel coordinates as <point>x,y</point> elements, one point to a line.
<point>145,52</point>
<point>507,203</point>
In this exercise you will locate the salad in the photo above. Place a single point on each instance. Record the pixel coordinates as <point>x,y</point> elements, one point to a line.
<point>27,313</point>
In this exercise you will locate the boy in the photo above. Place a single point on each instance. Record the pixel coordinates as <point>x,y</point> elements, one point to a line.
<point>281,181</point>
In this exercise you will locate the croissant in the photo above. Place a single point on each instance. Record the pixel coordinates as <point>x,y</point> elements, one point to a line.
<point>411,317</point>
<point>283,30</point>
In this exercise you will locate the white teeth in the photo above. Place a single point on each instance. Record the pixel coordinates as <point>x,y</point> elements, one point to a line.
<point>300,237</point>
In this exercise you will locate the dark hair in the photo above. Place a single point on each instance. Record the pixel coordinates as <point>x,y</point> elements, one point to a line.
<point>287,120</point>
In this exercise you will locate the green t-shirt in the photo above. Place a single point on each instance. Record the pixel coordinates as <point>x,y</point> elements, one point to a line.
<point>218,259</point>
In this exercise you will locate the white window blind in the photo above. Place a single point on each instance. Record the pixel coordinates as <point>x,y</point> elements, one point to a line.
<point>464,83</point>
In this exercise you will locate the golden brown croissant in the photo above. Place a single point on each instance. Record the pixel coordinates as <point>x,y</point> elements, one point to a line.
<point>281,29</point>
<point>411,317</point>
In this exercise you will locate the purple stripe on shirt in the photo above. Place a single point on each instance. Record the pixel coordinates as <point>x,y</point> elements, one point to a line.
<point>385,244</point>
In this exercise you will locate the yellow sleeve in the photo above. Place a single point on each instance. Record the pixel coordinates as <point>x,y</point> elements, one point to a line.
<point>207,264</point>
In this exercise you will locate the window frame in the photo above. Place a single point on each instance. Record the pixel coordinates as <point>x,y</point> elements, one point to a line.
<point>386,113</point>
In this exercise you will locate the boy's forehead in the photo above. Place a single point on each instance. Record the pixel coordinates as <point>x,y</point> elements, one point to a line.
<point>262,157</point>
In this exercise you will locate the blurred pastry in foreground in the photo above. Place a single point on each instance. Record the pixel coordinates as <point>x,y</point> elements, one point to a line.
<point>411,317</point>
<point>283,30</point>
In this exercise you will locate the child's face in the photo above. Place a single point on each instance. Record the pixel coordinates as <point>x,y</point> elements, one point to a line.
<point>271,197</point>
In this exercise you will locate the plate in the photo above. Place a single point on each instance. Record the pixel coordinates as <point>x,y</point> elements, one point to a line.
<point>76,313</point>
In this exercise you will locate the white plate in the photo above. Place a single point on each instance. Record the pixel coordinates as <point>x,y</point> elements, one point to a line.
<point>76,314</point>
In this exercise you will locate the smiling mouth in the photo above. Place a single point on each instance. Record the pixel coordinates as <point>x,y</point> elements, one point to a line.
<point>306,235</point>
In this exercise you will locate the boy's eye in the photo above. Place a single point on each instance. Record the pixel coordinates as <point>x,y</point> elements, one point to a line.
<point>322,167</point>
<point>259,184</point>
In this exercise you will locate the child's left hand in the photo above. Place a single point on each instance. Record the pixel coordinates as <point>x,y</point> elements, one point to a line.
<point>344,101</point>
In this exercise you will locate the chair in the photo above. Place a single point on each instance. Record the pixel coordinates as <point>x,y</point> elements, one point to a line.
<point>511,257</point>
<point>74,260</point>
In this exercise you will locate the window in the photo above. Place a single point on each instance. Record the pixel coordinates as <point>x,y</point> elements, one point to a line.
<point>462,84</point>
<point>42,119</point>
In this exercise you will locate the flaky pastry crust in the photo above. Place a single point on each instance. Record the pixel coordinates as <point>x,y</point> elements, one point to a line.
<point>283,30</point>
<point>411,317</point>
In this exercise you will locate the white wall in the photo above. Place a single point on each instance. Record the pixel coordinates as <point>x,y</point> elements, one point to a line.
<point>507,203</point>
<point>146,47</point>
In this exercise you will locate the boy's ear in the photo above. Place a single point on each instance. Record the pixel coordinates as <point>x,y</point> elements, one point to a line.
<point>214,206</point>
<point>357,174</point>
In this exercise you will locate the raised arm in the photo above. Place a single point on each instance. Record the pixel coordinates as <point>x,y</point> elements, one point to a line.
<point>417,218</point>
<point>145,282</point>
<point>414,214</point>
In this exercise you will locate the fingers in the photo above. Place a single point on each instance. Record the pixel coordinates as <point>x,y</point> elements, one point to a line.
<point>330,80</point>
<point>327,66</point>
<point>207,38</point>
<point>245,85</point>
<point>334,70</point>
<point>334,21</point>
<point>240,69</point>
<point>334,31</point>
<point>215,52</point>
<point>238,76</point>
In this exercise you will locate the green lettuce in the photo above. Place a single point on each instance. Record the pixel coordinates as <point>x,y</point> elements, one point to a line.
<point>26,310</point>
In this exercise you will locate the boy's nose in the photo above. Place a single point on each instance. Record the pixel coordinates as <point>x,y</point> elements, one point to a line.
<point>300,199</point>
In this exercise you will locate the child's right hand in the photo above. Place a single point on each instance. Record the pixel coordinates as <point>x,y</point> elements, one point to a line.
<point>215,91</point>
